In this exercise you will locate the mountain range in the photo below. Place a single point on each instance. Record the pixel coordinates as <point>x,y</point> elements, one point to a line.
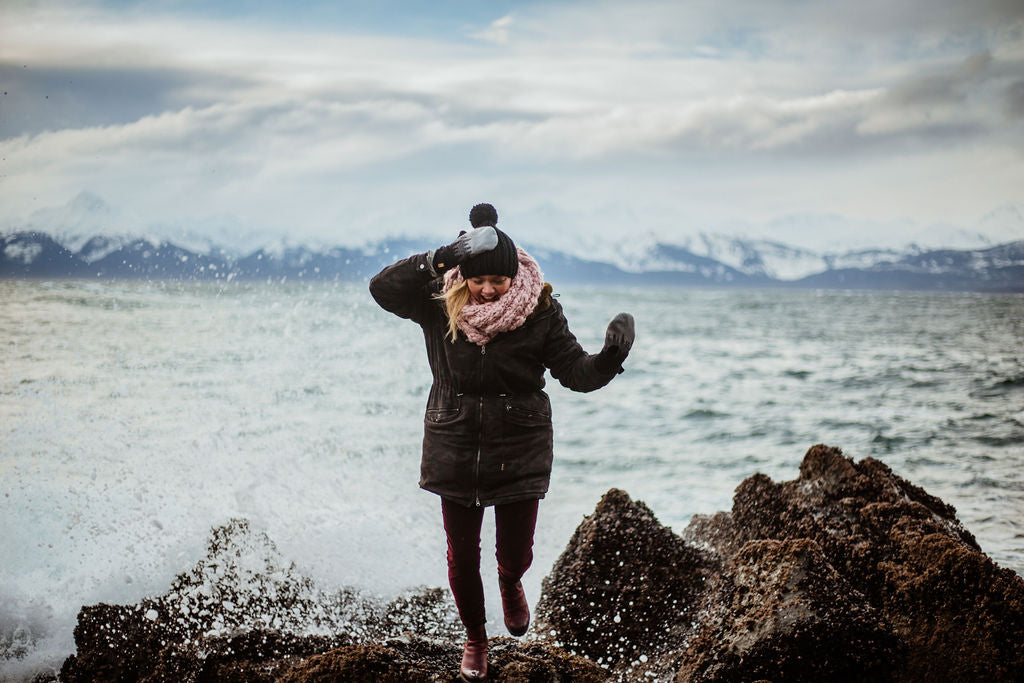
<point>88,239</point>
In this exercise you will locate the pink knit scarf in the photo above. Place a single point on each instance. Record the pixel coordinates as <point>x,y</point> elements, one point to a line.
<point>481,322</point>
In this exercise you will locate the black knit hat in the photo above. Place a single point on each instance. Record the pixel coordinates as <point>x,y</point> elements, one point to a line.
<point>502,260</point>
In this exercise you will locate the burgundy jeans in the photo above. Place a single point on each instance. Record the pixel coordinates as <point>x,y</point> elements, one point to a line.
<point>514,524</point>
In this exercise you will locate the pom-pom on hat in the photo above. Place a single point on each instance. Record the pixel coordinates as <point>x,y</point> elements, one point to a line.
<point>483,214</point>
<point>502,260</point>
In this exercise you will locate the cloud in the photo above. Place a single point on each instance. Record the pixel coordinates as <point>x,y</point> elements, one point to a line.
<point>71,96</point>
<point>497,31</point>
<point>1015,100</point>
<point>681,107</point>
<point>956,102</point>
<point>634,96</point>
<point>948,86</point>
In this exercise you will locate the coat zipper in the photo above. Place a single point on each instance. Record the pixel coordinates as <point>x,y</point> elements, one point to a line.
<point>480,437</point>
<point>479,447</point>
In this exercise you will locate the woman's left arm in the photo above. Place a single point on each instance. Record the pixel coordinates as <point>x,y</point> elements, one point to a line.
<point>575,368</point>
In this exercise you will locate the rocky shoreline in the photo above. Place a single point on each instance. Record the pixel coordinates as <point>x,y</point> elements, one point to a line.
<point>848,572</point>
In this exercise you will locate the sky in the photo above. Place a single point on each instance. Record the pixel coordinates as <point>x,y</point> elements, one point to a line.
<point>585,123</point>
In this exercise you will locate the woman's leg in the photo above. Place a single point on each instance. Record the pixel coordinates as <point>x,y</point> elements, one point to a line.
<point>462,526</point>
<point>514,526</point>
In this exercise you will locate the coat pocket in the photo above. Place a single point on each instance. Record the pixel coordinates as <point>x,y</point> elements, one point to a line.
<point>442,415</point>
<point>529,410</point>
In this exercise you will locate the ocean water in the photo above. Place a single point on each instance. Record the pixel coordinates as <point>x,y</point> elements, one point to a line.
<point>135,416</point>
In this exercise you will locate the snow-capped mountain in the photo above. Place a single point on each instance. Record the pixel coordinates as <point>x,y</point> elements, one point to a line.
<point>87,218</point>
<point>35,255</point>
<point>1004,224</point>
<point>753,257</point>
<point>88,238</point>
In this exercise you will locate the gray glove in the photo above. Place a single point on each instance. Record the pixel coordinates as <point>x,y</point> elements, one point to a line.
<point>618,340</point>
<point>465,246</point>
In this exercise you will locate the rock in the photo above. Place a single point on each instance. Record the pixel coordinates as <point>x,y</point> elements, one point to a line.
<point>624,587</point>
<point>960,616</point>
<point>847,573</point>
<point>785,614</point>
<point>243,615</point>
<point>420,660</point>
<point>119,643</point>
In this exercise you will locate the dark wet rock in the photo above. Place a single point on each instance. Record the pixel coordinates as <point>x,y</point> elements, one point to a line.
<point>416,659</point>
<point>847,573</point>
<point>241,613</point>
<point>960,616</point>
<point>122,643</point>
<point>263,657</point>
<point>785,614</point>
<point>625,586</point>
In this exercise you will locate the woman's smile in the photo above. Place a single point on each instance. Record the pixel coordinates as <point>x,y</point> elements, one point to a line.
<point>487,288</point>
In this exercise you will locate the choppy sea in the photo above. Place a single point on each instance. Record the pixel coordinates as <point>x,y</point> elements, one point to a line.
<point>135,416</point>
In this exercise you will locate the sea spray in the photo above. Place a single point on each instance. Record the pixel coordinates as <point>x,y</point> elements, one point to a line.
<point>243,586</point>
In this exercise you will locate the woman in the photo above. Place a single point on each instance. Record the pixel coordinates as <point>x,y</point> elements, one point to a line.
<point>491,328</point>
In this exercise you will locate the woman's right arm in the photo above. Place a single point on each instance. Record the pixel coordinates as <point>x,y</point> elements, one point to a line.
<point>406,287</point>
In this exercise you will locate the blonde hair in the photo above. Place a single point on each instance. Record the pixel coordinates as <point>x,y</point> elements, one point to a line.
<point>454,300</point>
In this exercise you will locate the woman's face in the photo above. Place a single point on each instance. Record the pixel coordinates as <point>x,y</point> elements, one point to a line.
<point>488,287</point>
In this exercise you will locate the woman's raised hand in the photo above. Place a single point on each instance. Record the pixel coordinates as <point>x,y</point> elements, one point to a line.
<point>465,246</point>
<point>618,340</point>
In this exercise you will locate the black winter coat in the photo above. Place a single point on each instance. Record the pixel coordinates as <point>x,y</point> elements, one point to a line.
<point>487,430</point>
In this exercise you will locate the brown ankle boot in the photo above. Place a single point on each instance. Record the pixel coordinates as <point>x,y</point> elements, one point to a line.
<point>513,603</point>
<point>474,655</point>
